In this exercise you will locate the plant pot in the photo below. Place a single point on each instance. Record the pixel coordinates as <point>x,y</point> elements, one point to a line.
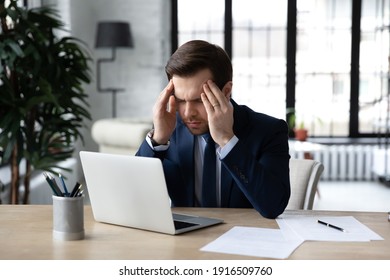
<point>301,134</point>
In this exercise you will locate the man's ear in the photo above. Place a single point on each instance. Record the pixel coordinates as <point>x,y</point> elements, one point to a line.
<point>227,90</point>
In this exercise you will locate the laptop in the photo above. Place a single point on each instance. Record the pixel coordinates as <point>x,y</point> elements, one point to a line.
<point>131,191</point>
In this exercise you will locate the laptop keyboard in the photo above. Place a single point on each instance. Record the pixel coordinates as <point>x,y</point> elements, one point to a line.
<point>181,224</point>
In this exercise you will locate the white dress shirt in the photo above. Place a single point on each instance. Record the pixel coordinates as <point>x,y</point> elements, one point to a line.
<point>200,144</point>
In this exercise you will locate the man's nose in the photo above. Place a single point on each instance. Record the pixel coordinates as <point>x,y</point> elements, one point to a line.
<point>189,109</point>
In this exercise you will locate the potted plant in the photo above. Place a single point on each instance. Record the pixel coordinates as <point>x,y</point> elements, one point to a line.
<point>299,132</point>
<point>42,101</point>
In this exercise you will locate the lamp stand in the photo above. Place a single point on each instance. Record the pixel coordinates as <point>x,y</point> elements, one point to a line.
<point>113,90</point>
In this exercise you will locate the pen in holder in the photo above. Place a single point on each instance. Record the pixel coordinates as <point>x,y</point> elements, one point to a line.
<point>68,217</point>
<point>68,210</point>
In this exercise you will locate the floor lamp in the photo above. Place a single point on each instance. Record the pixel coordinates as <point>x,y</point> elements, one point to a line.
<point>112,34</point>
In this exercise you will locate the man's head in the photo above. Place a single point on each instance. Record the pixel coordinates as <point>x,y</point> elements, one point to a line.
<point>190,67</point>
<point>197,55</point>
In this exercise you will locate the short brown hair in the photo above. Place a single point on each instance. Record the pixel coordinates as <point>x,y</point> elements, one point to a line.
<point>197,55</point>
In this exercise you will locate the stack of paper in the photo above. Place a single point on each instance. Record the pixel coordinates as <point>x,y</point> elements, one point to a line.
<point>308,228</point>
<point>294,230</point>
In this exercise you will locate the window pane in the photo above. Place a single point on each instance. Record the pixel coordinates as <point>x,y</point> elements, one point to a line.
<point>259,55</point>
<point>201,19</point>
<point>323,66</point>
<point>374,66</point>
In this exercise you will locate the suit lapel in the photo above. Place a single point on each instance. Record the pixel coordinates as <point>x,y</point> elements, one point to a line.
<point>226,178</point>
<point>243,117</point>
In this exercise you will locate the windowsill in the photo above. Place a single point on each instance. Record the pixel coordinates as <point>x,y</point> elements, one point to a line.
<point>344,141</point>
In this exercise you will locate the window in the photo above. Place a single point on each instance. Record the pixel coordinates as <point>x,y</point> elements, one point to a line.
<point>323,65</point>
<point>374,66</point>
<point>259,55</point>
<point>197,22</point>
<point>333,38</point>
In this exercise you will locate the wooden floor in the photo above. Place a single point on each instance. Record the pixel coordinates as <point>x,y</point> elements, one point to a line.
<point>353,196</point>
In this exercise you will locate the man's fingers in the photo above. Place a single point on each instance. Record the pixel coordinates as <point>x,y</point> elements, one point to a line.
<point>171,105</point>
<point>166,93</point>
<point>210,96</point>
<point>206,102</point>
<point>215,96</point>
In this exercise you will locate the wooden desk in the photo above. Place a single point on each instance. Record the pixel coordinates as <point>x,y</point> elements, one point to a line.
<point>26,233</point>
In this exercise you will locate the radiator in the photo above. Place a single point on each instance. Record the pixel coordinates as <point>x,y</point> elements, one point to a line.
<point>343,162</point>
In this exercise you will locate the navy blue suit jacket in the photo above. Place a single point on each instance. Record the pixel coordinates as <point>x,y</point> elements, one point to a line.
<point>255,174</point>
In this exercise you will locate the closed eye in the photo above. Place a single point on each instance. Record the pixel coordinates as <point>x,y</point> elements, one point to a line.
<point>178,100</point>
<point>199,100</point>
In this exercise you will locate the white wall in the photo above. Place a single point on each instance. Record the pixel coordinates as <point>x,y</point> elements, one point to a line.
<point>140,71</point>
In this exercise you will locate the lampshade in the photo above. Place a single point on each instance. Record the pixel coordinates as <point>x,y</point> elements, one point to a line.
<point>113,34</point>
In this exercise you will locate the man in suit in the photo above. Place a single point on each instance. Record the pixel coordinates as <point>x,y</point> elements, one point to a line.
<point>252,165</point>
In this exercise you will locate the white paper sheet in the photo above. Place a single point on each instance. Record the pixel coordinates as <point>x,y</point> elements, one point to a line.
<point>308,228</point>
<point>294,230</point>
<point>257,242</point>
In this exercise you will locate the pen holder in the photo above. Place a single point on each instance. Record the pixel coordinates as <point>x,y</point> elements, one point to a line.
<point>68,218</point>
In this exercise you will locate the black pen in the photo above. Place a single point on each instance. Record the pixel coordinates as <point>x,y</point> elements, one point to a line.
<point>52,185</point>
<point>75,189</point>
<point>53,180</point>
<point>79,190</point>
<point>331,226</point>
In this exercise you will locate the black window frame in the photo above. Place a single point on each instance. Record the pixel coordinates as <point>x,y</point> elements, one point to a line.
<point>291,58</point>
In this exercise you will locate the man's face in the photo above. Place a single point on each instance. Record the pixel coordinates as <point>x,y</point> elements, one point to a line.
<point>189,104</point>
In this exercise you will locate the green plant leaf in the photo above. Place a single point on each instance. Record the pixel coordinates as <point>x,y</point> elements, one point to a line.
<point>43,104</point>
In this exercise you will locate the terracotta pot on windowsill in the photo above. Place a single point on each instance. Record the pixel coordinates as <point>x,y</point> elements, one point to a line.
<point>301,134</point>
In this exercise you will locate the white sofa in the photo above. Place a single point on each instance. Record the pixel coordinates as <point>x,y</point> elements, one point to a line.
<point>121,135</point>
